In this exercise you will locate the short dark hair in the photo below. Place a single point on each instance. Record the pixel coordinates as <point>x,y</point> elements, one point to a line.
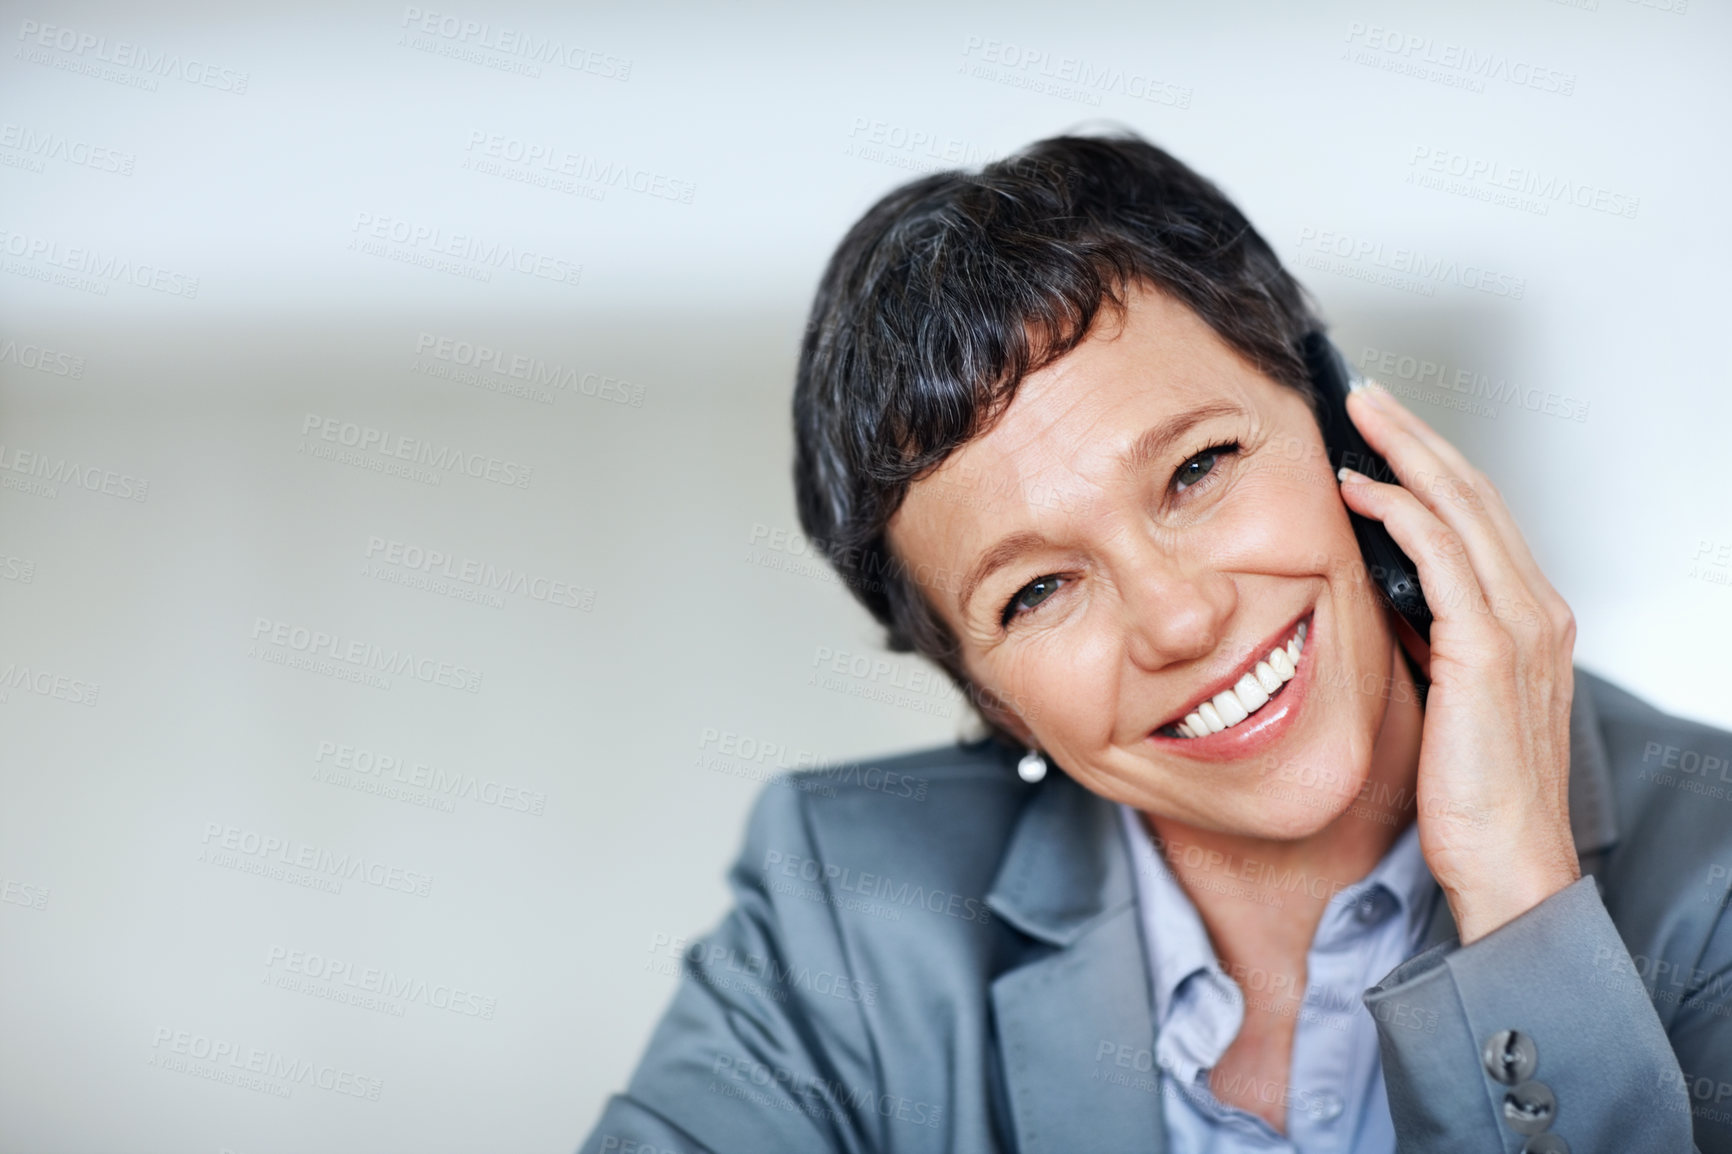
<point>955,286</point>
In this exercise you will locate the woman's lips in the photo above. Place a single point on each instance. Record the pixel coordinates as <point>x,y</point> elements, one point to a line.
<point>1265,722</point>
<point>1246,690</point>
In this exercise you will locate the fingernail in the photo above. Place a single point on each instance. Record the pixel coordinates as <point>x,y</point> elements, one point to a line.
<point>1346,475</point>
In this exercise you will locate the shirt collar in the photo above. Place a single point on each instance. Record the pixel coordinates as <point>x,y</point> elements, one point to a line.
<point>1178,947</point>
<point>1181,947</point>
<point>1402,877</point>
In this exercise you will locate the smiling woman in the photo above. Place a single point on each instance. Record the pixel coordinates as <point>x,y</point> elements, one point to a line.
<point>1303,878</point>
<point>1181,543</point>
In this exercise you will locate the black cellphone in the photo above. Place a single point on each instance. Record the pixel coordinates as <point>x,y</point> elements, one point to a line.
<point>1390,570</point>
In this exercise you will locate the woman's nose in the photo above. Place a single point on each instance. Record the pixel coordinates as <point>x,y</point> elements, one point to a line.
<point>1174,611</point>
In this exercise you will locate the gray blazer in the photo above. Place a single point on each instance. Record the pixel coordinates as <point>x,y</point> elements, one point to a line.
<point>930,955</point>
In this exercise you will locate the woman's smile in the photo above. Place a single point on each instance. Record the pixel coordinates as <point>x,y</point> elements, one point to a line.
<point>1252,706</point>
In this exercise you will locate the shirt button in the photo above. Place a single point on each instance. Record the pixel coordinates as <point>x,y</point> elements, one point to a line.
<point>1371,908</point>
<point>1328,1106</point>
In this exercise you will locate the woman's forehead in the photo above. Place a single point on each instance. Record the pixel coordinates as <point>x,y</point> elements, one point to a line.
<point>1140,383</point>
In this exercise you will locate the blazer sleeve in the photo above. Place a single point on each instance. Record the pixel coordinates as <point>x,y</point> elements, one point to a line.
<point>1702,1035</point>
<point>763,1048</point>
<point>1541,1037</point>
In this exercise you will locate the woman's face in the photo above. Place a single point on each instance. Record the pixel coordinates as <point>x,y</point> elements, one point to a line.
<point>1148,520</point>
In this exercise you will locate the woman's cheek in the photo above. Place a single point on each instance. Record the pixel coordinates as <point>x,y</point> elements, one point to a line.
<point>1064,684</point>
<point>1277,520</point>
<point>1078,681</point>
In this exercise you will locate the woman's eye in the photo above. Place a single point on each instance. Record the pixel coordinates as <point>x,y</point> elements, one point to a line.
<point>1031,595</point>
<point>1200,466</point>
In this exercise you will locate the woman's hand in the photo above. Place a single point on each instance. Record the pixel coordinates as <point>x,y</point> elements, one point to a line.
<point>1494,758</point>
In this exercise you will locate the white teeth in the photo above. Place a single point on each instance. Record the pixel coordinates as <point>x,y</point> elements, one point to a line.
<point>1250,693</point>
<point>1231,709</point>
<point>1281,664</point>
<point>1267,677</point>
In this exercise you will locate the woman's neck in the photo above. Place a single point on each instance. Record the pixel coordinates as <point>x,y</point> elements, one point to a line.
<point>1268,913</point>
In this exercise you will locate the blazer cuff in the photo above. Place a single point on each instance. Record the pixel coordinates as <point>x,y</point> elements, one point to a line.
<point>1534,1028</point>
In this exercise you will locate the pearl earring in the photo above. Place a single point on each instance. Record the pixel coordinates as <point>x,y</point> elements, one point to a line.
<point>1032,767</point>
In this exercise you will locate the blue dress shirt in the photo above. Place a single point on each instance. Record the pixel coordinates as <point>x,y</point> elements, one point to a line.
<point>1335,1098</point>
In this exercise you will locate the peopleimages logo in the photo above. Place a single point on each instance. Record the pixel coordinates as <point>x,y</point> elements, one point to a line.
<point>40,145</point>
<point>1067,77</point>
<point>88,49</point>
<point>482,575</point>
<point>31,897</point>
<point>43,360</point>
<point>92,268</point>
<point>425,244</point>
<point>52,471</point>
<point>1458,65</point>
<point>537,373</point>
<point>1365,258</point>
<point>581,167</point>
<point>1438,376</point>
<point>848,880</point>
<point>225,845</point>
<point>526,47</point>
<point>46,683</point>
<point>364,655</point>
<point>230,1060</point>
<point>1526,180</point>
<point>288,964</point>
<point>383,767</point>
<point>361,438</point>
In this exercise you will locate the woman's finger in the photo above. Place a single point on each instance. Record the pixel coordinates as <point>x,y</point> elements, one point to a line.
<point>1495,507</point>
<point>1450,498</point>
<point>1452,585</point>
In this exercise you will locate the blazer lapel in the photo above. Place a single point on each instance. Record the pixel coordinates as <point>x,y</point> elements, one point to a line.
<point>1075,1029</point>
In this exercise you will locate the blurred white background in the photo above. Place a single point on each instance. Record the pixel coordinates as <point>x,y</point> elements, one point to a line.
<point>560,255</point>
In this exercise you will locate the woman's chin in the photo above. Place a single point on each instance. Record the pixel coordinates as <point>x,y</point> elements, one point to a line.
<point>1284,811</point>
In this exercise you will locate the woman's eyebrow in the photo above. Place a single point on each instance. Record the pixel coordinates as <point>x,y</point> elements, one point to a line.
<point>1149,446</point>
<point>1155,441</point>
<point>1003,553</point>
